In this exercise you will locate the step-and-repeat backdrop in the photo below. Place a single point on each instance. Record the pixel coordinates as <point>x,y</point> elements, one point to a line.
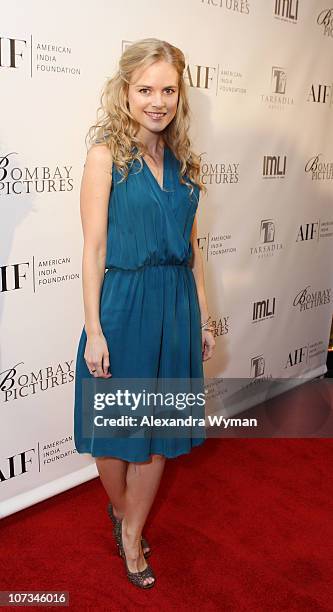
<point>259,74</point>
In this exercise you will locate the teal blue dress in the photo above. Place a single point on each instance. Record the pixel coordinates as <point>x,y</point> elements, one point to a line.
<point>149,310</point>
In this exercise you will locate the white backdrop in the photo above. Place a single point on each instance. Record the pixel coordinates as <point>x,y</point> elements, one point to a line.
<point>260,78</point>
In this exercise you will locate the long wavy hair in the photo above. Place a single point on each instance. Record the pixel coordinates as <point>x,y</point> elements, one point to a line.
<point>116,126</point>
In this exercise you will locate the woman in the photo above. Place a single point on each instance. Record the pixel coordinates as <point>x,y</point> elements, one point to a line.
<point>139,196</point>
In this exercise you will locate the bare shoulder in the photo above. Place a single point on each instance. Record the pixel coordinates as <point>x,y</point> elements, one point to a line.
<point>95,190</point>
<point>99,156</point>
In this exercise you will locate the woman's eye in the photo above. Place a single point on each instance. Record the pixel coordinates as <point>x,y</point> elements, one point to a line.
<point>145,90</point>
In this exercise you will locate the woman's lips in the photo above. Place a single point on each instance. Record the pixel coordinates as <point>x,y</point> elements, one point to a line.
<point>155,116</point>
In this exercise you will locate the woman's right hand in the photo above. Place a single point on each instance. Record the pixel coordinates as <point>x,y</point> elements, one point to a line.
<point>96,356</point>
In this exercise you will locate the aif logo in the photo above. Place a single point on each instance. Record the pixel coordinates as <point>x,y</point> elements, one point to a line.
<point>11,276</point>
<point>320,94</point>
<point>12,52</point>
<point>200,77</point>
<point>296,357</point>
<point>308,231</point>
<point>16,465</point>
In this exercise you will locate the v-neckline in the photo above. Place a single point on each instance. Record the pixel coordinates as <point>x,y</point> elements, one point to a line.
<point>163,165</point>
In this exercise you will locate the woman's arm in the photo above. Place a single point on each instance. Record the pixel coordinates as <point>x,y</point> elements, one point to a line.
<point>94,199</point>
<point>197,267</point>
<point>208,342</point>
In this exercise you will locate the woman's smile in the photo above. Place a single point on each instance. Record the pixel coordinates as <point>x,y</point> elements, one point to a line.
<point>155,116</point>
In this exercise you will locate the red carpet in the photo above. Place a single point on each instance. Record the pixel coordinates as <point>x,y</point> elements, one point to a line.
<point>237,525</point>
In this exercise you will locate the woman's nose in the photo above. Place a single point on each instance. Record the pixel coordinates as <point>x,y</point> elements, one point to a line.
<point>158,102</point>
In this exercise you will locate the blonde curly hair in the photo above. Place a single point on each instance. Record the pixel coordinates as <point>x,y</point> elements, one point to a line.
<point>116,127</point>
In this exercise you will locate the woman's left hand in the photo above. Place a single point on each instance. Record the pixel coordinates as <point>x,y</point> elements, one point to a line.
<point>208,344</point>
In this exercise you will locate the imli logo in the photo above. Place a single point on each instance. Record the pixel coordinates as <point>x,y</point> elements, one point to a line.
<point>274,166</point>
<point>307,299</point>
<point>277,98</point>
<point>286,10</point>
<point>319,170</point>
<point>15,384</point>
<point>325,21</point>
<point>269,246</point>
<point>263,309</point>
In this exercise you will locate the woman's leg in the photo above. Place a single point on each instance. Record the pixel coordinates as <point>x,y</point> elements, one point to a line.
<point>112,472</point>
<point>131,488</point>
<point>142,481</point>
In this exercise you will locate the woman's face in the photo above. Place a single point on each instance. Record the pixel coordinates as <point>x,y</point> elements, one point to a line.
<point>154,90</point>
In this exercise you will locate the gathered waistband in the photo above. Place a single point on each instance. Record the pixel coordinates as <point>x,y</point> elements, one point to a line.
<point>185,264</point>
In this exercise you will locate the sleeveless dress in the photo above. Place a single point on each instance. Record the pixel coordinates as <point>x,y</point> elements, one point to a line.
<point>149,309</point>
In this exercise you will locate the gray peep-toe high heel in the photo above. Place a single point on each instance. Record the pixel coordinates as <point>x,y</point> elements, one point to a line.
<point>137,578</point>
